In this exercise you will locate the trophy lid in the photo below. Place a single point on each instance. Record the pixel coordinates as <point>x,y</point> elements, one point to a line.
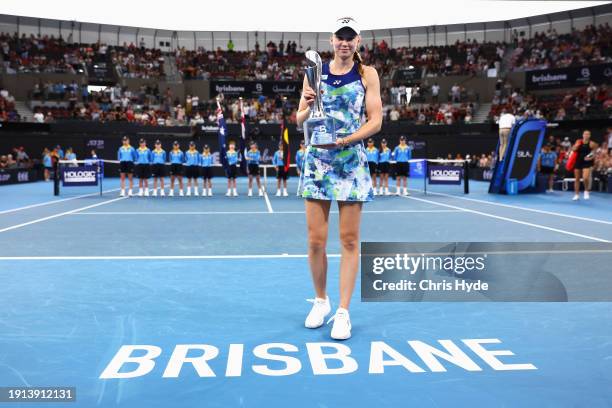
<point>313,58</point>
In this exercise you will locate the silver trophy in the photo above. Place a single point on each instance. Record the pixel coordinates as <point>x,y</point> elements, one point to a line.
<point>319,129</point>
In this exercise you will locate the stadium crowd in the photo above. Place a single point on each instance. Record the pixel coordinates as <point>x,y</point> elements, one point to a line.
<point>551,50</point>
<point>590,102</point>
<point>282,61</point>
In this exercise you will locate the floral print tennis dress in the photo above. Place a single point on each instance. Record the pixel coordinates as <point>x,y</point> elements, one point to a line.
<point>340,174</point>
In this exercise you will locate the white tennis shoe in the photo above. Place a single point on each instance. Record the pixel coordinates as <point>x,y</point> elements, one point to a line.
<point>320,309</point>
<point>341,330</point>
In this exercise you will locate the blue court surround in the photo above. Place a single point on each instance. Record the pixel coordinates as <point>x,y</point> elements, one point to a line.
<point>62,320</point>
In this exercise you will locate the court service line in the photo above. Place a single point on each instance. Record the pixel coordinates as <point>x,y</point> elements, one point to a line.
<point>522,208</point>
<point>61,214</point>
<point>248,212</point>
<point>55,201</point>
<point>268,203</point>
<point>530,224</point>
<point>154,257</point>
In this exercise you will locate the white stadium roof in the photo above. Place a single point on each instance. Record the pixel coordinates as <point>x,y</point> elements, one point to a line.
<point>286,15</point>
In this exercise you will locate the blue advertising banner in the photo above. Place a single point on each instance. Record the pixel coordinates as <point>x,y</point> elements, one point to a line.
<point>445,174</point>
<point>417,169</point>
<point>80,176</point>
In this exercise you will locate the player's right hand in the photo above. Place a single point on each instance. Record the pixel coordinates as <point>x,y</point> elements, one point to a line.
<point>309,95</point>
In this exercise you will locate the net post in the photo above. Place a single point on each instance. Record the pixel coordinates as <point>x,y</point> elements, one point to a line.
<point>425,175</point>
<point>265,170</point>
<point>466,178</point>
<point>100,175</point>
<point>56,178</point>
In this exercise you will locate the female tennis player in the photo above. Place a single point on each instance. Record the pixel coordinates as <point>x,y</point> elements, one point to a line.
<point>585,148</point>
<point>349,90</point>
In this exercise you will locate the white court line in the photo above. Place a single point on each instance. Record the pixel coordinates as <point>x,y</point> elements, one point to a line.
<point>61,214</point>
<point>55,201</point>
<point>168,212</point>
<point>510,219</point>
<point>521,208</point>
<point>253,256</point>
<point>268,203</point>
<point>248,212</point>
<point>153,257</point>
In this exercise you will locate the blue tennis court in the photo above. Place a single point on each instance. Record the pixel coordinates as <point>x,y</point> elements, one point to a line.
<point>84,275</point>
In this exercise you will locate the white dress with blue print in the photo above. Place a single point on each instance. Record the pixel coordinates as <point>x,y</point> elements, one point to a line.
<point>339,174</point>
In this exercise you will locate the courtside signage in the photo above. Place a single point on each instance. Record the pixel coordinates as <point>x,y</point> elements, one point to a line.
<point>80,176</point>
<point>445,174</point>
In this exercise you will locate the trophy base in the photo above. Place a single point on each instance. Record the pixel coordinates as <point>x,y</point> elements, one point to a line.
<point>319,132</point>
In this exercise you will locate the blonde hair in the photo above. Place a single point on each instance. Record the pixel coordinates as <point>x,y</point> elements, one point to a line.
<point>357,58</point>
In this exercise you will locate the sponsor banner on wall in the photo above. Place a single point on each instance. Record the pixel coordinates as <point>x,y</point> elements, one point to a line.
<point>255,88</point>
<point>568,77</point>
<point>15,176</point>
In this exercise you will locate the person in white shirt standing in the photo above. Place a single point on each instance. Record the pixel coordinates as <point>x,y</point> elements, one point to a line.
<point>435,91</point>
<point>506,121</point>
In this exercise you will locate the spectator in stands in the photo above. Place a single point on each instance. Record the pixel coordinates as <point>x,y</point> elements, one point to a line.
<point>551,50</point>
<point>435,91</point>
<point>20,155</point>
<point>47,162</point>
<point>602,168</point>
<point>39,117</point>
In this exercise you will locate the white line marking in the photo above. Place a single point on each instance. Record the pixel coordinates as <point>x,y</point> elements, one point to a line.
<point>230,257</point>
<point>61,214</point>
<point>153,257</point>
<point>510,219</point>
<point>522,208</point>
<point>247,212</point>
<point>268,203</point>
<point>54,201</point>
<point>168,212</point>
